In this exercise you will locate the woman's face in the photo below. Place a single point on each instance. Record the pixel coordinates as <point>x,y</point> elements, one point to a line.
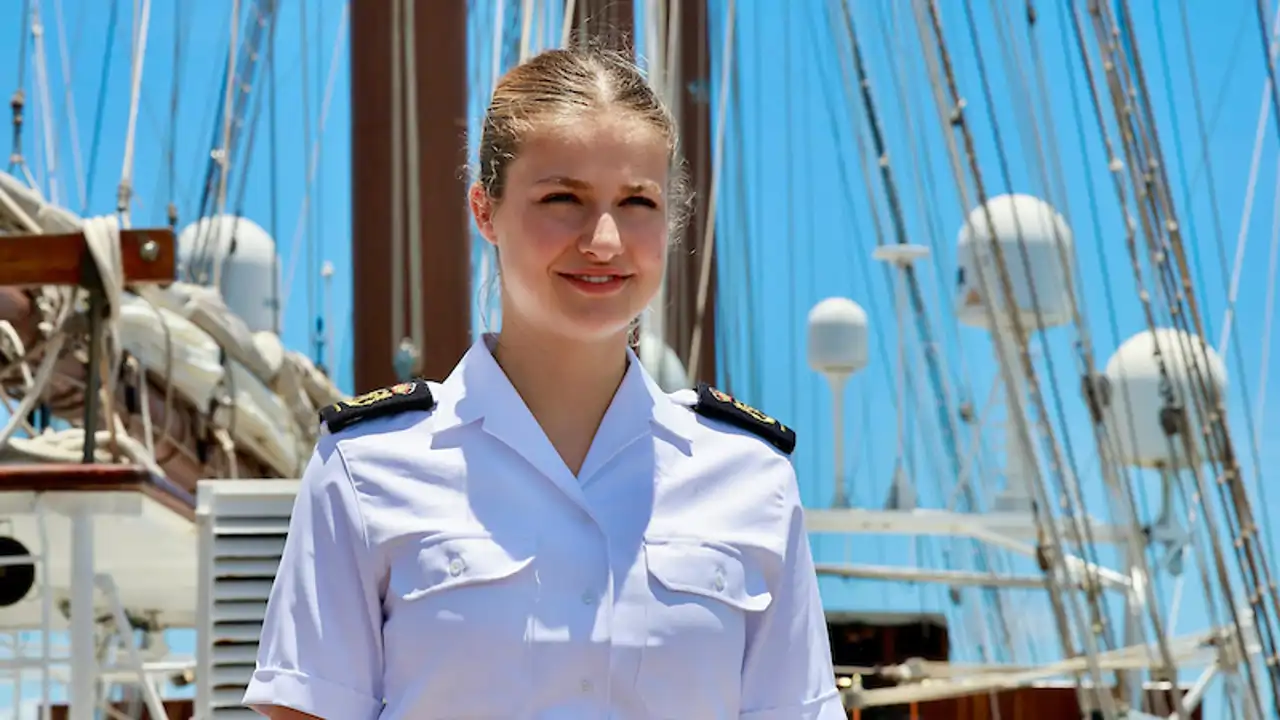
<point>581,229</point>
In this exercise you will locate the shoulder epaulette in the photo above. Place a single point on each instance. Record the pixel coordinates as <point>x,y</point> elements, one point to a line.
<point>412,395</point>
<point>719,405</point>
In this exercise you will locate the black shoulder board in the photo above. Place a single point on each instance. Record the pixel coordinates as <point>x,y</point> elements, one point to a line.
<point>412,395</point>
<point>721,406</point>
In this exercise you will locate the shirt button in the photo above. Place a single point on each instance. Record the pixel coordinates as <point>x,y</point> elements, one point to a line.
<point>588,597</point>
<point>586,686</point>
<point>456,566</point>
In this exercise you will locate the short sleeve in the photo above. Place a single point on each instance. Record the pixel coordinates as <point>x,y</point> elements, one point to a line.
<point>321,645</point>
<point>787,672</point>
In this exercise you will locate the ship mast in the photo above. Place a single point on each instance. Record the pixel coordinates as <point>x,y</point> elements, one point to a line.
<point>692,70</point>
<point>410,239</point>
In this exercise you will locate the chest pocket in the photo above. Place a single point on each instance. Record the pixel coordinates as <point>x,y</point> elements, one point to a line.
<point>456,625</point>
<point>702,594</point>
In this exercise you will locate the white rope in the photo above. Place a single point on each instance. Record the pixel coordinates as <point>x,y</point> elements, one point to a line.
<point>48,128</point>
<point>125,192</point>
<point>102,236</point>
<point>34,393</point>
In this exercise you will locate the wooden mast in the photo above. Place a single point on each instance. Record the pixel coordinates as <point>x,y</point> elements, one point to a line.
<point>692,75</point>
<point>612,21</point>
<point>440,40</point>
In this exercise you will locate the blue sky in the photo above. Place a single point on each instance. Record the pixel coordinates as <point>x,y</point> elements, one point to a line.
<point>796,225</point>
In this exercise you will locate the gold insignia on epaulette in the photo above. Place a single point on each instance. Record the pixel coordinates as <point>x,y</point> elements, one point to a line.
<point>383,401</point>
<point>723,406</point>
<point>754,413</point>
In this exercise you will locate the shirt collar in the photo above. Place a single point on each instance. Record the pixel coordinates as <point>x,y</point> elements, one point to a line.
<point>478,390</point>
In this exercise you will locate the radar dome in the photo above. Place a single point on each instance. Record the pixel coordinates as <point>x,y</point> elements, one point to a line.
<point>837,337</point>
<point>1133,377</point>
<point>663,363</point>
<point>247,254</point>
<point>1047,239</point>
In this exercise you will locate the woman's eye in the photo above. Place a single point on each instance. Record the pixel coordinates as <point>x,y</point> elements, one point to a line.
<point>641,201</point>
<point>559,198</point>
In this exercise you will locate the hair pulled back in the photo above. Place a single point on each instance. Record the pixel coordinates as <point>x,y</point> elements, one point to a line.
<point>565,83</point>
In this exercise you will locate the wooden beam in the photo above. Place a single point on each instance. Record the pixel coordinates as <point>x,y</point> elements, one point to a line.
<point>64,259</point>
<point>97,477</point>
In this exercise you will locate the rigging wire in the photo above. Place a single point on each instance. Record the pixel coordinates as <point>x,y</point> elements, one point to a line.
<point>1154,211</point>
<point>1115,167</point>
<point>69,100</point>
<point>300,226</point>
<point>900,234</point>
<point>1229,331</point>
<point>308,212</point>
<point>274,161</point>
<point>1250,555</point>
<point>107,53</point>
<point>921,161</point>
<point>789,103</point>
<point>171,151</point>
<point>1049,540</point>
<point>1269,306</point>
<point>18,101</point>
<point>1073,498</point>
<point>1167,72</point>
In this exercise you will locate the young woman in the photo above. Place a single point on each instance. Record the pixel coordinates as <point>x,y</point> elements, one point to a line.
<point>546,533</point>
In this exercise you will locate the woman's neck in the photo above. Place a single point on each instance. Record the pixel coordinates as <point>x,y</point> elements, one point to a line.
<point>566,384</point>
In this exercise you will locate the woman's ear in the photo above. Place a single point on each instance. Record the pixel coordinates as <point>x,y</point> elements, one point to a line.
<point>482,207</point>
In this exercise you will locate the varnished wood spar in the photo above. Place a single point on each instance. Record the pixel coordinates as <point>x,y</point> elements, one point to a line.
<point>68,477</point>
<point>64,259</point>
<point>440,43</point>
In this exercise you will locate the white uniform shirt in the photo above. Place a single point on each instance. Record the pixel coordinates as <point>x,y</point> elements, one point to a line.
<point>449,564</point>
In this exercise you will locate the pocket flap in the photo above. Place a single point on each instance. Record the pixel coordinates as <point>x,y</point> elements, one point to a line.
<point>437,564</point>
<point>708,569</point>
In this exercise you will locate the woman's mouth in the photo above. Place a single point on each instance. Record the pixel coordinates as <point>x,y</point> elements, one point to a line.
<point>595,283</point>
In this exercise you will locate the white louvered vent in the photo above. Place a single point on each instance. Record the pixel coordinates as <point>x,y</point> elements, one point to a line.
<point>242,526</point>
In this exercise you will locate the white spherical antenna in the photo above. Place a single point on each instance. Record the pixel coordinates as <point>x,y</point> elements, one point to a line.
<point>662,362</point>
<point>247,255</point>
<point>1135,401</point>
<point>837,337</point>
<point>838,349</point>
<point>1047,239</point>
